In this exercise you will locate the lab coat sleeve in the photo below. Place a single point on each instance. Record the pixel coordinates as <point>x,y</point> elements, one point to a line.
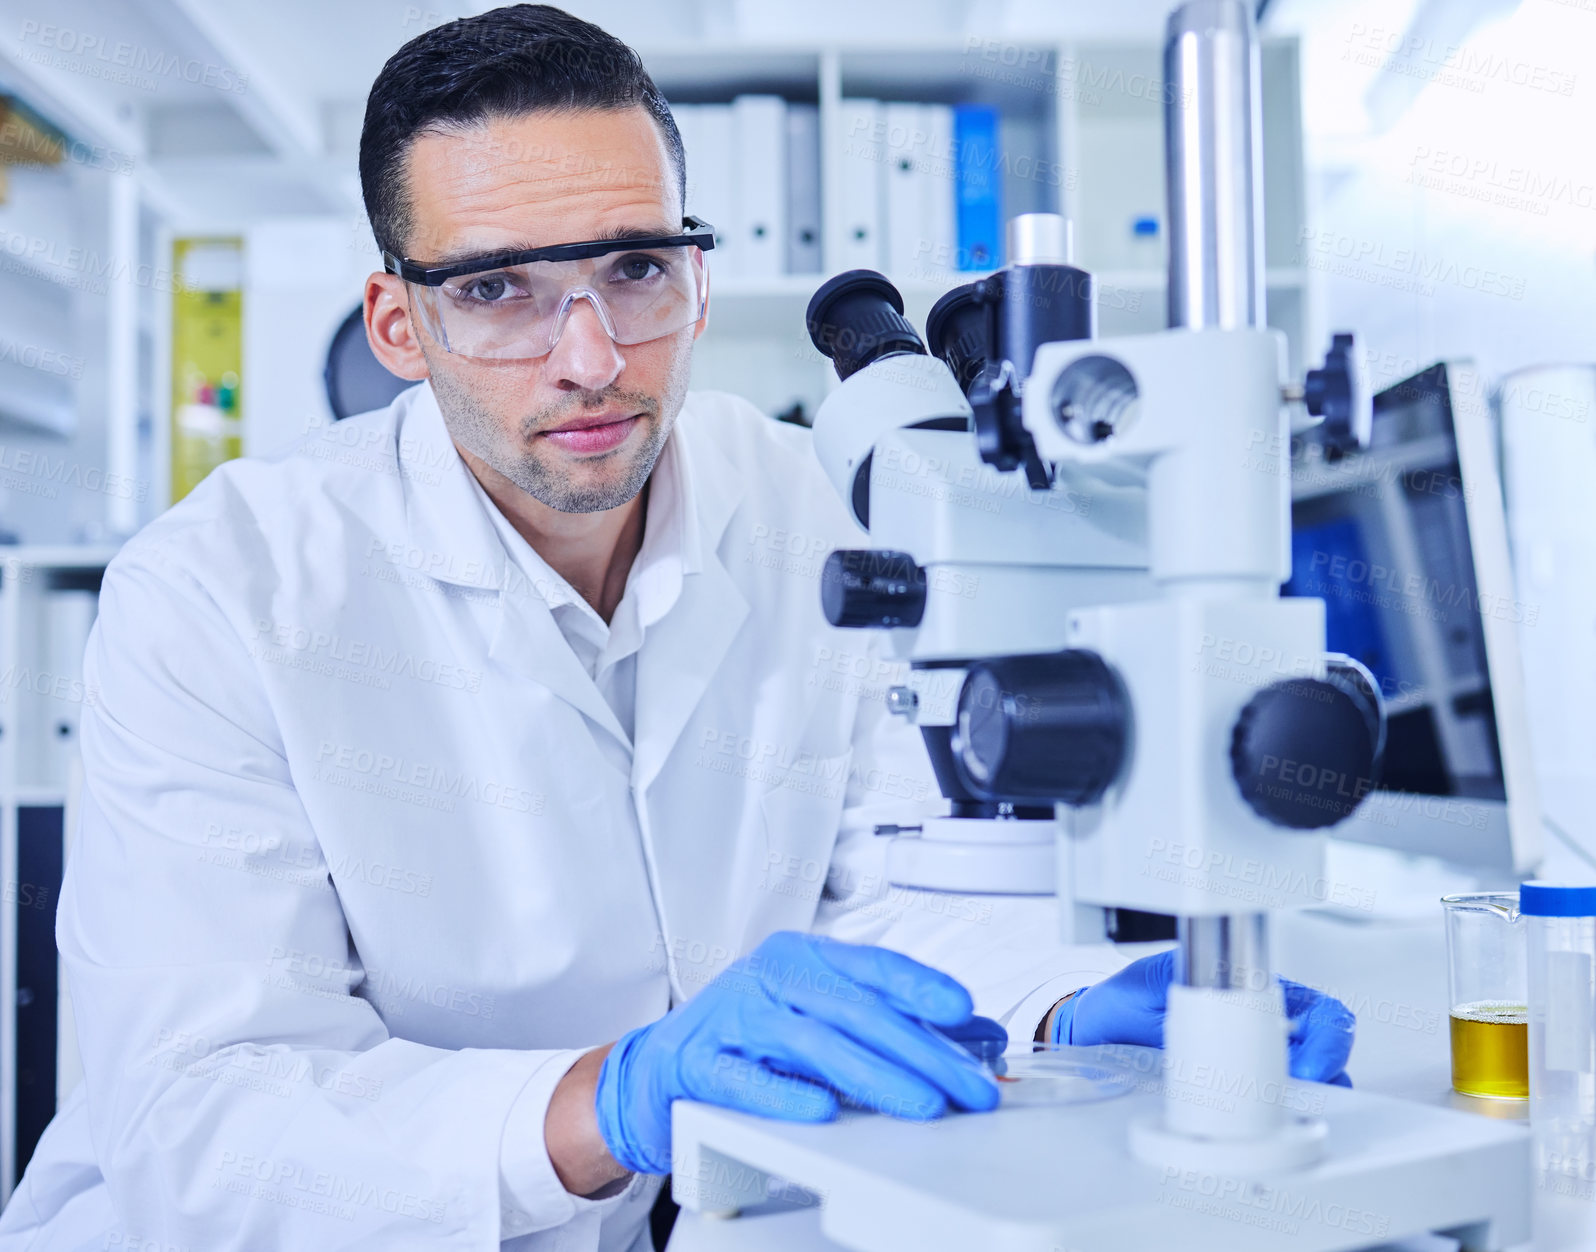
<point>240,1095</point>
<point>1005,949</point>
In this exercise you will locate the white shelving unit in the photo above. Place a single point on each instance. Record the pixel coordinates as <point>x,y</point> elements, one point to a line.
<point>1082,133</point>
<point>46,610</point>
<point>77,281</point>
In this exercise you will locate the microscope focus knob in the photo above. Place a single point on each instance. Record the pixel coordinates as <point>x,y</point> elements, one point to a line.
<point>1306,752</point>
<point>1339,393</point>
<point>1053,726</point>
<point>1327,391</point>
<point>872,587</point>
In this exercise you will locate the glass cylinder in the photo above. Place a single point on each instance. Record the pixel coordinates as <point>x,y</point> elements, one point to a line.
<point>1487,975</point>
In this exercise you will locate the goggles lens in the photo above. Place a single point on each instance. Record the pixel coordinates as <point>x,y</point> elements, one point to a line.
<point>518,312</point>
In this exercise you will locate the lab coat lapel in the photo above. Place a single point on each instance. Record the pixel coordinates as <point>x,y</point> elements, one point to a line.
<point>453,540</point>
<point>678,660</point>
<point>448,537</point>
<point>529,642</point>
<point>683,650</point>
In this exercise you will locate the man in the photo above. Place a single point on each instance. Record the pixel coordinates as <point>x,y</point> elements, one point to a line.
<point>432,759</point>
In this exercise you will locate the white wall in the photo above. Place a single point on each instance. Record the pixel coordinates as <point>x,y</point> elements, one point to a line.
<point>1465,224</point>
<point>302,277</point>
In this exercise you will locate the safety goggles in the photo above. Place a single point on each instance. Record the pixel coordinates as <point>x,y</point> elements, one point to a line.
<point>514,305</point>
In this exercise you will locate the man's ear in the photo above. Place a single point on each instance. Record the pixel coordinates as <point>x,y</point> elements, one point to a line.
<point>389,329</point>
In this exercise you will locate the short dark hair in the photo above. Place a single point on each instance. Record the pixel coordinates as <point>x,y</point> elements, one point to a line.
<point>504,63</point>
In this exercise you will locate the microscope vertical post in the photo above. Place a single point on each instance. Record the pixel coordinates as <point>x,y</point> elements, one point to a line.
<point>1214,174</point>
<point>1213,165</point>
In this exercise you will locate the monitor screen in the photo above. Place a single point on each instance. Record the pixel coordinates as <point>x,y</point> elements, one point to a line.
<point>1389,538</point>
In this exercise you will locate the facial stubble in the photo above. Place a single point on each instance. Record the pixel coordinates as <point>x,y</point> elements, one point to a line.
<point>531,463</point>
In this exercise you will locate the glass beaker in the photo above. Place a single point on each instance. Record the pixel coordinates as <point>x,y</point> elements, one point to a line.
<point>1489,996</point>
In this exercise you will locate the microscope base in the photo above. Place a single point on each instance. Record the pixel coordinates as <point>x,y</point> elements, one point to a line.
<point>1036,1179</point>
<point>1297,1144</point>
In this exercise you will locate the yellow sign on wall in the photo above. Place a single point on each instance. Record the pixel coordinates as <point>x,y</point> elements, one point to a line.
<point>207,358</point>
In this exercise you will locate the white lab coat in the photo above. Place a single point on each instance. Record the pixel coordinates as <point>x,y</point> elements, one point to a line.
<point>365,860</point>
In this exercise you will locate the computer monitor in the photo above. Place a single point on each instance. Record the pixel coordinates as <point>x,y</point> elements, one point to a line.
<point>1406,544</point>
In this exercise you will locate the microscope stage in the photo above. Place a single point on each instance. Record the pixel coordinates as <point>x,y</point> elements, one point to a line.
<point>1062,1179</point>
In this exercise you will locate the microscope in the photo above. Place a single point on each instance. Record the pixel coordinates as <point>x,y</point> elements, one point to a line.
<point>1125,714</point>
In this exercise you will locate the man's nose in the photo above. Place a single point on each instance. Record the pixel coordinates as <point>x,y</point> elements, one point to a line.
<point>585,358</point>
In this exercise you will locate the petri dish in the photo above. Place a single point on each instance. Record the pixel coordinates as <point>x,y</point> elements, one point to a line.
<point>1055,1074</point>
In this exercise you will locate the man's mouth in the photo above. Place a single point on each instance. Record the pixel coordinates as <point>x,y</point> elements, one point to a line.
<point>595,432</point>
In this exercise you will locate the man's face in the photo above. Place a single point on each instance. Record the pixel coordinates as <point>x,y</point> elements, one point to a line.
<point>526,182</point>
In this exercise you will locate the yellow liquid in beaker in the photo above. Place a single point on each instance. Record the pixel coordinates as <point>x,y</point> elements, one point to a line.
<point>1490,1050</point>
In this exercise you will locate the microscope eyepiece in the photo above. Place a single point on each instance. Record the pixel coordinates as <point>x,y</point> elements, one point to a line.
<point>856,318</point>
<point>961,328</point>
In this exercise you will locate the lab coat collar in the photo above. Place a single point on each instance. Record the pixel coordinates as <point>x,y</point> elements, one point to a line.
<point>450,527</point>
<point>681,651</point>
<point>451,538</point>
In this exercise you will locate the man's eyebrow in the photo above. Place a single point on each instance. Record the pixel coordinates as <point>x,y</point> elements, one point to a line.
<point>617,234</point>
<point>640,232</point>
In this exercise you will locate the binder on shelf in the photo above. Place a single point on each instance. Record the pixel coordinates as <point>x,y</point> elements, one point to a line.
<point>863,154</point>
<point>759,194</point>
<point>39,867</point>
<point>711,192</point>
<point>803,189</point>
<point>980,204</point>
<point>935,259</point>
<point>68,617</point>
<point>905,194</point>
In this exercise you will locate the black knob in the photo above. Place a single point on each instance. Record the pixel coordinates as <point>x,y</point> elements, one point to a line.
<point>872,587</point>
<point>1331,392</point>
<point>1306,752</point>
<point>1055,727</point>
<point>1355,678</point>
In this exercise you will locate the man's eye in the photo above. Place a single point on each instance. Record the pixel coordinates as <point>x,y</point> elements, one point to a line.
<point>489,289</point>
<point>635,269</point>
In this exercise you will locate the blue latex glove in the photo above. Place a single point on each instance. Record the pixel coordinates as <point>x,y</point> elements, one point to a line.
<point>785,1032</point>
<point>1129,1008</point>
<point>981,1036</point>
